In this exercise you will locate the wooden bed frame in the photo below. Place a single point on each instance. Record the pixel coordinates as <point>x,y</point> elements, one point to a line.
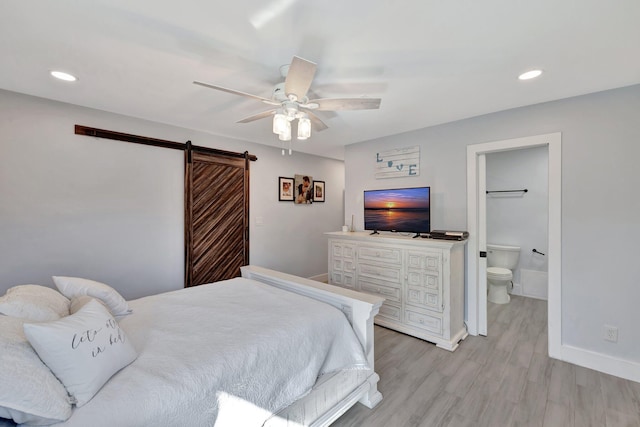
<point>360,310</point>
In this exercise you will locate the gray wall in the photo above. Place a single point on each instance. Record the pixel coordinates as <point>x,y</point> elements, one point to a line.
<point>600,205</point>
<point>113,211</point>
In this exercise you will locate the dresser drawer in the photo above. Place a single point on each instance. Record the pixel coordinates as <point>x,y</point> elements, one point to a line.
<point>390,274</point>
<point>380,254</point>
<point>423,279</point>
<point>424,298</point>
<point>428,261</point>
<point>390,293</point>
<point>431,323</point>
<point>345,280</point>
<point>346,265</point>
<point>340,250</point>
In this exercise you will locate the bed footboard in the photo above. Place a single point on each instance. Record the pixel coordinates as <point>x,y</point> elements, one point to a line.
<point>359,308</point>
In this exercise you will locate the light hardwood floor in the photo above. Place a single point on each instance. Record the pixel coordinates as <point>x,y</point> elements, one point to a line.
<point>505,379</point>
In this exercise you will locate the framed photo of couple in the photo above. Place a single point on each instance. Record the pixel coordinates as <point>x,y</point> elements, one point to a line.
<point>303,190</point>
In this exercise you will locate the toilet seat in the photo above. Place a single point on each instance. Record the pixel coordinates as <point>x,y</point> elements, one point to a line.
<point>499,273</point>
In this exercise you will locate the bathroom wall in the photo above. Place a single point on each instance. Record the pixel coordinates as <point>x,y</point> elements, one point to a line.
<point>520,219</point>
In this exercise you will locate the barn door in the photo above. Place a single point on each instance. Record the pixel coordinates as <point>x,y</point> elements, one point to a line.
<point>216,217</point>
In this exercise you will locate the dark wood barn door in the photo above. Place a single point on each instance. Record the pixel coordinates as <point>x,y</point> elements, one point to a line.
<point>216,217</point>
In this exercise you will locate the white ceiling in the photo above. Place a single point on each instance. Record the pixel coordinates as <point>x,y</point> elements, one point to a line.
<point>430,61</point>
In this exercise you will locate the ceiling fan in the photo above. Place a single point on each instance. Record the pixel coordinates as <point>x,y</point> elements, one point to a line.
<point>290,101</point>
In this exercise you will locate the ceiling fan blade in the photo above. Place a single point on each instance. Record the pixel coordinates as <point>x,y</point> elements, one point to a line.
<point>299,77</point>
<point>258,116</point>
<point>237,92</point>
<point>318,125</point>
<point>337,104</point>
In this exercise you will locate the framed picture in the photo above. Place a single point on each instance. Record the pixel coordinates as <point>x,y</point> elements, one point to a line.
<point>285,189</point>
<point>303,190</point>
<point>318,191</point>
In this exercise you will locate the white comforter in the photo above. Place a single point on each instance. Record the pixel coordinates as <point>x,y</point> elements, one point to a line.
<point>225,354</point>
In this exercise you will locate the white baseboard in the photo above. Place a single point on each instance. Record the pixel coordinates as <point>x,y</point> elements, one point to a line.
<point>518,290</point>
<point>324,278</point>
<point>601,362</point>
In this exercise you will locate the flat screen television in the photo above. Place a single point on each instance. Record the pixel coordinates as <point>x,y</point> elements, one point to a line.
<point>405,210</point>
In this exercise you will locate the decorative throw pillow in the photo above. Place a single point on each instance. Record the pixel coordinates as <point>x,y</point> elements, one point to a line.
<point>76,286</point>
<point>35,303</point>
<point>29,392</point>
<point>83,350</point>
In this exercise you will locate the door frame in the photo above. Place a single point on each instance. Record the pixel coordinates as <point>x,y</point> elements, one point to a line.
<point>476,312</point>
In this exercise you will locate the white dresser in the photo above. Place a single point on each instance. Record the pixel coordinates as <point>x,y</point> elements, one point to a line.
<point>422,281</point>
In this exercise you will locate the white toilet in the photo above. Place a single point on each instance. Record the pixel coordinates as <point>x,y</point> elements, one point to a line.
<point>501,261</point>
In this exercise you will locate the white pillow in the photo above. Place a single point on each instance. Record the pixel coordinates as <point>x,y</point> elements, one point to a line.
<point>29,392</point>
<point>76,286</point>
<point>80,301</point>
<point>35,303</point>
<point>83,350</point>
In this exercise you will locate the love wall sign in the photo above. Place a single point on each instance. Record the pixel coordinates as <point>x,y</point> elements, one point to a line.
<point>399,162</point>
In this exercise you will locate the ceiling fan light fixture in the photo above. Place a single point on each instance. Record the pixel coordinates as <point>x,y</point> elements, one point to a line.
<point>304,128</point>
<point>286,134</point>
<point>280,123</point>
<point>290,101</point>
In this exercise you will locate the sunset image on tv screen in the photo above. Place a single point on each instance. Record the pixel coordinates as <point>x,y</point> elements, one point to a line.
<point>406,209</point>
<point>408,198</point>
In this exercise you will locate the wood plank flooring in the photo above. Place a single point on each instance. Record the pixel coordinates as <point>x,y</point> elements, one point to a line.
<point>503,380</point>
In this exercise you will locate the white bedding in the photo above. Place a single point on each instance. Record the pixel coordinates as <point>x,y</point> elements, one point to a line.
<point>226,354</point>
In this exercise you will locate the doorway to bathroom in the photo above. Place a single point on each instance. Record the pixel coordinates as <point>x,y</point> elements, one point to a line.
<point>477,226</point>
<point>517,216</point>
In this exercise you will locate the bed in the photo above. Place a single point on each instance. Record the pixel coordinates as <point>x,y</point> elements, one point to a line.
<point>266,349</point>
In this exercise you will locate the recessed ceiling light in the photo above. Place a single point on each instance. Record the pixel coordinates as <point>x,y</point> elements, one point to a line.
<point>530,74</point>
<point>64,76</point>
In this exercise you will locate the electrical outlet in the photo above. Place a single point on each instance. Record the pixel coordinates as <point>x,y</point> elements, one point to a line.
<point>610,333</point>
